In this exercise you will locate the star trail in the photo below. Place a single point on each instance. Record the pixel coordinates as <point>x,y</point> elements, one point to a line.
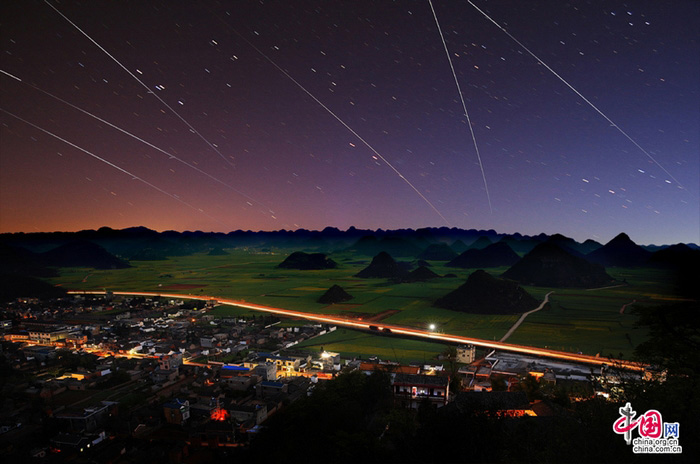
<point>272,115</point>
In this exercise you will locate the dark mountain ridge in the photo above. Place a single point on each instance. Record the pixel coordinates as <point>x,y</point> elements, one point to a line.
<point>484,294</point>
<point>438,252</point>
<point>547,265</point>
<point>335,294</point>
<point>81,253</point>
<point>307,261</point>
<point>494,255</point>
<point>383,266</point>
<point>620,251</point>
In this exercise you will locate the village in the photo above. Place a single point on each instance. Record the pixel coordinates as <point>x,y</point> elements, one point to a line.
<point>106,376</point>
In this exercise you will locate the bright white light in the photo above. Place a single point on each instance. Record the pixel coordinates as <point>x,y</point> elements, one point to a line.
<point>431,326</point>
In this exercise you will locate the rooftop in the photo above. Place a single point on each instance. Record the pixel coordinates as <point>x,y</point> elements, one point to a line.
<point>420,380</point>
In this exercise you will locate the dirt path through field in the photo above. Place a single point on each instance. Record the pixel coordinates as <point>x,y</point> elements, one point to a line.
<point>524,315</point>
<point>624,306</point>
<point>603,288</point>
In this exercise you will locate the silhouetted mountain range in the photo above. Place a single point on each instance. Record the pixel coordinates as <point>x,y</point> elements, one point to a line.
<point>35,254</point>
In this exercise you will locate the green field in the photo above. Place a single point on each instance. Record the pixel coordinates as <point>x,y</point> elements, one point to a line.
<point>576,320</point>
<point>363,345</point>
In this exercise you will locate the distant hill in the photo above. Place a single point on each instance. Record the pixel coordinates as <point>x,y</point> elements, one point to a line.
<point>307,261</point>
<point>459,246</point>
<point>494,255</point>
<point>438,252</point>
<point>131,241</point>
<point>81,253</point>
<point>395,246</point>
<point>589,246</point>
<point>547,265</point>
<point>420,274</point>
<point>335,294</point>
<point>484,294</point>
<point>520,245</point>
<point>567,244</point>
<point>17,260</point>
<point>15,286</point>
<point>678,256</point>
<point>157,247</point>
<point>367,245</point>
<point>399,247</point>
<point>620,251</point>
<point>481,242</point>
<point>683,264</point>
<point>383,266</point>
<point>148,254</point>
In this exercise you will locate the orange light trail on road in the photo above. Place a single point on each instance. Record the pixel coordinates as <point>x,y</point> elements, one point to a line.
<point>573,357</point>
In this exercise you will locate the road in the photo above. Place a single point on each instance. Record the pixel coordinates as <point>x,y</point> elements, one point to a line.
<point>523,316</point>
<point>389,328</point>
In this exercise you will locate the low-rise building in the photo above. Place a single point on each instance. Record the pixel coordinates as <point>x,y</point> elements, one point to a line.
<point>48,336</point>
<point>466,354</point>
<point>267,370</point>
<point>254,412</point>
<point>286,366</point>
<point>176,411</point>
<point>85,419</point>
<point>411,389</point>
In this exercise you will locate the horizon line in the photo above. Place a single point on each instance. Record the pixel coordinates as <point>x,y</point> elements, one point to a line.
<point>301,229</point>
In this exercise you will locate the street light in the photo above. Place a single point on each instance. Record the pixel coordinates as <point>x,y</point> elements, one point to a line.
<point>432,327</point>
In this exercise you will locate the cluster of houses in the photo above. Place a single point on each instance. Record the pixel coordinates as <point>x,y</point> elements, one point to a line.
<point>144,326</point>
<point>217,380</point>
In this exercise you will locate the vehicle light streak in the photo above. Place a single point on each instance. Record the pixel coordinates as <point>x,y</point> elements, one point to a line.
<point>394,329</point>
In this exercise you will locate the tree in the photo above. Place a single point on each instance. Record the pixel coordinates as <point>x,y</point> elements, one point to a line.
<point>450,355</point>
<point>674,337</point>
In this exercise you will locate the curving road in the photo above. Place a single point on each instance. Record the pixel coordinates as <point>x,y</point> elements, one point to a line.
<point>523,316</point>
<point>389,328</point>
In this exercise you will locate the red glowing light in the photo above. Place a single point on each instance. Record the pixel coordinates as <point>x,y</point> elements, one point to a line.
<point>219,414</point>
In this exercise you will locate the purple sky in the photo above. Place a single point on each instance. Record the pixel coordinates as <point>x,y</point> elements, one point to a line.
<point>249,149</point>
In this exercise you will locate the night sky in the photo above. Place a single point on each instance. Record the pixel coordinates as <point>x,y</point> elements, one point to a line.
<point>261,115</point>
